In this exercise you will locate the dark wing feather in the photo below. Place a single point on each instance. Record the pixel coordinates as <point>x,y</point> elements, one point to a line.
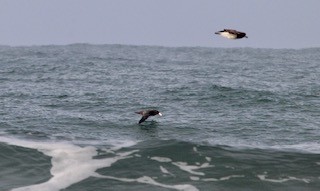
<point>232,31</point>
<point>143,118</point>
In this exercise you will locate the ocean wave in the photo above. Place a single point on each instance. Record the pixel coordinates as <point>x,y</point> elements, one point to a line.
<point>68,158</point>
<point>307,147</point>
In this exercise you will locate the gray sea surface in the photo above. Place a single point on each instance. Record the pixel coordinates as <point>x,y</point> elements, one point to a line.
<point>233,119</point>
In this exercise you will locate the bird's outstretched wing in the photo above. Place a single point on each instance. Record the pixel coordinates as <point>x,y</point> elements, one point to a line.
<point>231,31</point>
<point>143,118</point>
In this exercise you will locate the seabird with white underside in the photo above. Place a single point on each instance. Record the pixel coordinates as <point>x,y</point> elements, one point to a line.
<point>147,113</point>
<point>231,34</point>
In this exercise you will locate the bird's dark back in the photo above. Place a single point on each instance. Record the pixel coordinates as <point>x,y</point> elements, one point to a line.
<point>153,112</point>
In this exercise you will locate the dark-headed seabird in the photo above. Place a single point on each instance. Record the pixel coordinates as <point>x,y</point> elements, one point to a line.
<point>231,34</point>
<point>147,113</point>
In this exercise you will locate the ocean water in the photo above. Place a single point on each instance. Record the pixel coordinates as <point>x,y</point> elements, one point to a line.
<point>233,119</point>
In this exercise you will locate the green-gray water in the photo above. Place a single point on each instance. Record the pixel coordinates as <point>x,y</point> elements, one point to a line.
<point>233,119</point>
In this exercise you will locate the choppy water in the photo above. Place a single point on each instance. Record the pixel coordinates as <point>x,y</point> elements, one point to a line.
<point>233,119</point>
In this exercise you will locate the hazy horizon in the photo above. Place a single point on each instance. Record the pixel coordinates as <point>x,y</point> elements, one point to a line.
<point>269,24</point>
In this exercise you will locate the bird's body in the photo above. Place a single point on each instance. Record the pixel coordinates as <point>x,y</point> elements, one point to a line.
<point>231,34</point>
<point>147,113</point>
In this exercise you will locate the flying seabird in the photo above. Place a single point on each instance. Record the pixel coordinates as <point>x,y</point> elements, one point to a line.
<point>231,34</point>
<point>147,113</point>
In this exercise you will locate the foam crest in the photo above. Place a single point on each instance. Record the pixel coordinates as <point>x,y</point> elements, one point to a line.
<point>222,178</point>
<point>191,168</point>
<point>149,180</point>
<point>184,166</point>
<point>263,177</point>
<point>122,144</point>
<point>66,160</point>
<point>307,147</point>
<point>161,159</point>
<point>195,178</point>
<point>165,171</point>
<point>304,147</point>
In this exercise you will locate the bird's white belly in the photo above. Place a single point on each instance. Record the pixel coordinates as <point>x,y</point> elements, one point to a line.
<point>228,35</point>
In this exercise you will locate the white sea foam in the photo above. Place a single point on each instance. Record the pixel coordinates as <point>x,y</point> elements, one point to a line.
<point>195,149</point>
<point>208,159</point>
<point>195,178</point>
<point>191,168</point>
<point>118,144</point>
<point>281,180</point>
<point>149,180</point>
<point>222,178</point>
<point>184,166</point>
<point>188,168</point>
<point>165,171</point>
<point>161,159</point>
<point>70,163</point>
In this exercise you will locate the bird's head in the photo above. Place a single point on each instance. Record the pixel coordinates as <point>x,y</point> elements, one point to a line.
<point>156,112</point>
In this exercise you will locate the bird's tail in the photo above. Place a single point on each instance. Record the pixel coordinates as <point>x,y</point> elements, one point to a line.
<point>139,112</point>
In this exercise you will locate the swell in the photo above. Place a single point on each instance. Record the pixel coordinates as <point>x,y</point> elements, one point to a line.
<point>195,166</point>
<point>18,164</point>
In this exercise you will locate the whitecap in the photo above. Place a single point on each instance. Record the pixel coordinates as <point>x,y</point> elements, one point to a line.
<point>165,171</point>
<point>149,180</point>
<point>195,149</point>
<point>222,178</point>
<point>311,147</point>
<point>161,159</point>
<point>307,147</point>
<point>70,163</point>
<point>263,177</point>
<point>189,168</point>
<point>184,166</point>
<point>195,178</point>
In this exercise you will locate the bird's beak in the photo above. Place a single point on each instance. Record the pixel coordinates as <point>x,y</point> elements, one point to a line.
<point>217,33</point>
<point>160,114</point>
